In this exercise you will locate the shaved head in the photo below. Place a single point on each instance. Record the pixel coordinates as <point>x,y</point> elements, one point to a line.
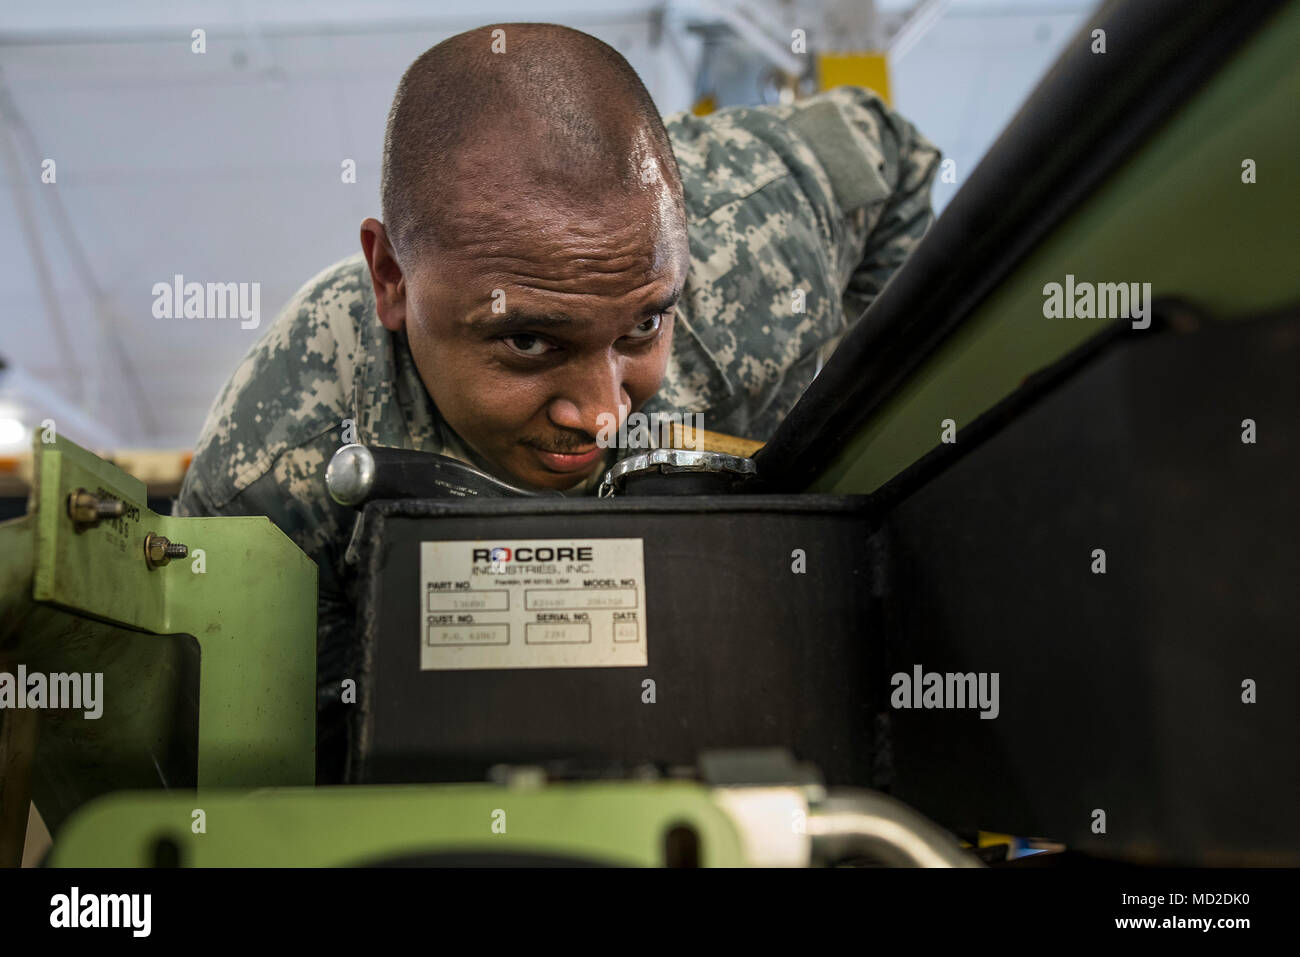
<point>509,112</point>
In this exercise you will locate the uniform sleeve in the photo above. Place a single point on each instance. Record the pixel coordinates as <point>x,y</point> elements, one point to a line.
<point>799,216</point>
<point>880,170</point>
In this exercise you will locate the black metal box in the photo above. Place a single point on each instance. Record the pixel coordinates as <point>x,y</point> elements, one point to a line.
<point>759,613</point>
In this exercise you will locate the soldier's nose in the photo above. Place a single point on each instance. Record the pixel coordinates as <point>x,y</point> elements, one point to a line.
<point>592,408</point>
<point>590,419</point>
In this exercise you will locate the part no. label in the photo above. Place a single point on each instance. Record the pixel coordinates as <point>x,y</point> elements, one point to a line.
<point>532,603</point>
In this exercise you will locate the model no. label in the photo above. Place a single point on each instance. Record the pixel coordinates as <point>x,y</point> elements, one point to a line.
<point>532,603</point>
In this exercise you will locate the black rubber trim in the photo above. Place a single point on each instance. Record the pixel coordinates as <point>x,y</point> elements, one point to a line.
<point>1084,119</point>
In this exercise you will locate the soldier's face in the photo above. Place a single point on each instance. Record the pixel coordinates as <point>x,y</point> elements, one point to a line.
<point>537,323</point>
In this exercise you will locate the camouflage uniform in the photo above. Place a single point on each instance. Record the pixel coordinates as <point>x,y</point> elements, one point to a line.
<point>827,196</point>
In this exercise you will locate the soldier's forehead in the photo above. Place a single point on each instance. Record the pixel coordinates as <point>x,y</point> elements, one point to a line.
<point>639,234</point>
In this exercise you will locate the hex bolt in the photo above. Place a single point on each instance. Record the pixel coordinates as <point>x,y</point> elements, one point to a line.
<point>87,510</point>
<point>159,551</point>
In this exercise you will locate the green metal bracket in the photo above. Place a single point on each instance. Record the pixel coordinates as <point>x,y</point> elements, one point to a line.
<point>622,824</point>
<point>208,661</point>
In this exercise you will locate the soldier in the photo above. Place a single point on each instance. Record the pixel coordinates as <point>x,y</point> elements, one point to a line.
<point>552,251</point>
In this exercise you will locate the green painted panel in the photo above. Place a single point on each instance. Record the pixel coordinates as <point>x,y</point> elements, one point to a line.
<point>1176,215</point>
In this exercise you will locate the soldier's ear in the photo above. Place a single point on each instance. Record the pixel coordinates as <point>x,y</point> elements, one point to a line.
<point>385,275</point>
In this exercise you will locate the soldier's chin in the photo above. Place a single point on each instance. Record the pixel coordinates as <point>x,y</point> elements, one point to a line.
<point>559,483</point>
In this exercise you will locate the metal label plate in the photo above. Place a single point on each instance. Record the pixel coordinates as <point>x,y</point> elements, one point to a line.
<point>532,603</point>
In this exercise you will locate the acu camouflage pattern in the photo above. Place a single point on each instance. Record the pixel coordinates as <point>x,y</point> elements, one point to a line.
<point>827,196</point>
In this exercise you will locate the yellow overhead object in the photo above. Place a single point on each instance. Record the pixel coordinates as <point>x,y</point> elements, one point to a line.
<point>991,839</point>
<point>704,105</point>
<point>869,68</point>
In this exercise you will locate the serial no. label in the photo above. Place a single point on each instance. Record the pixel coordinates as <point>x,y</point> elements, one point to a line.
<point>532,603</point>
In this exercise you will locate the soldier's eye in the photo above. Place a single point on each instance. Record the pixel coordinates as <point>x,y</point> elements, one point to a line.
<point>647,329</point>
<point>528,345</point>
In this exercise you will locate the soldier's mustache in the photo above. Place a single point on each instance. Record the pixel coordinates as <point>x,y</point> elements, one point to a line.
<point>563,446</point>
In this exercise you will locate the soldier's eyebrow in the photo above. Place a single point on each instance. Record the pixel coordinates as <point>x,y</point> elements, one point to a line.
<point>515,321</point>
<point>664,304</point>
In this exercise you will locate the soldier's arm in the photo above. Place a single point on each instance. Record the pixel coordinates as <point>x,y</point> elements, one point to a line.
<point>278,420</point>
<point>881,174</point>
<point>864,173</point>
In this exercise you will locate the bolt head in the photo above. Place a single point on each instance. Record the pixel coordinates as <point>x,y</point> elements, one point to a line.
<point>155,549</point>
